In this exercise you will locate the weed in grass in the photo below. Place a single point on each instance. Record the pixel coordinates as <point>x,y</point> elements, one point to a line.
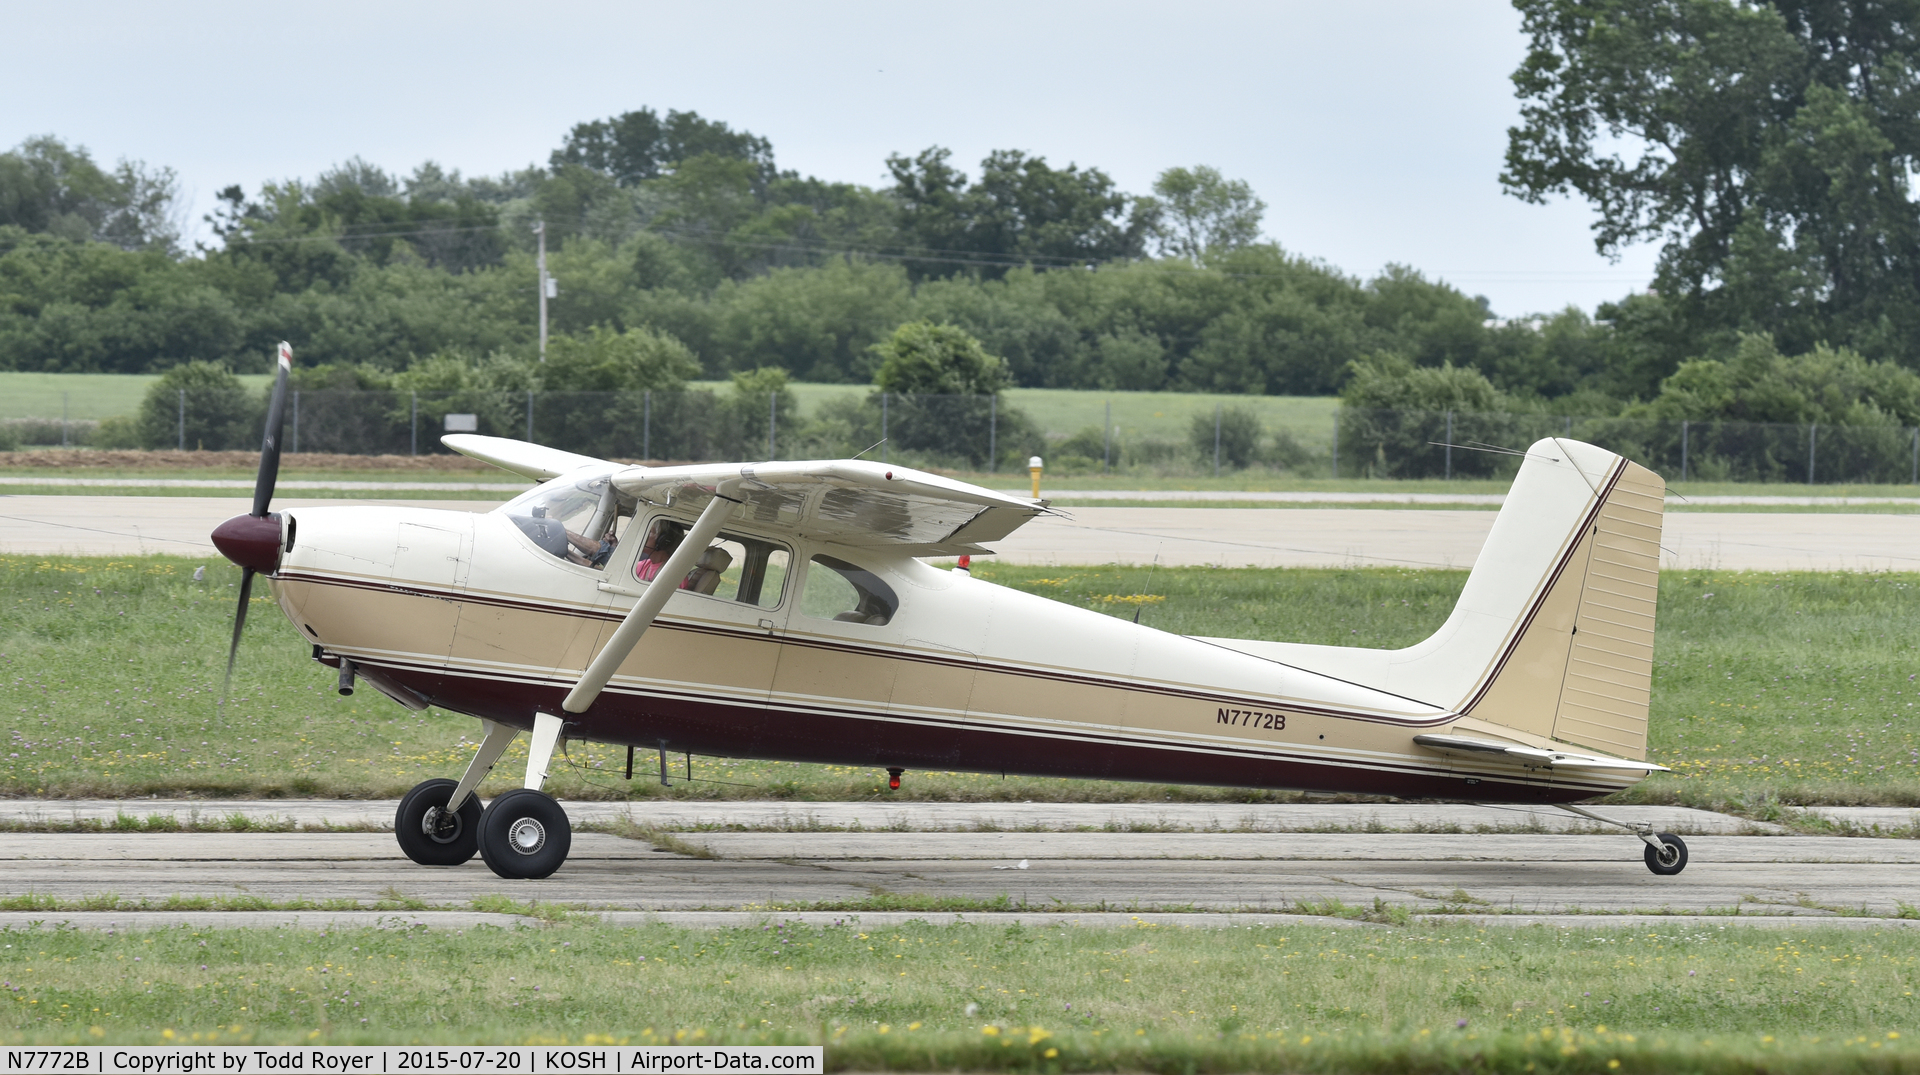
<point>1771,691</point>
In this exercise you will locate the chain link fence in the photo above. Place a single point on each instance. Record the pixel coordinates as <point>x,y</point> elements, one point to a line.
<point>1449,444</point>
<point>985,434</point>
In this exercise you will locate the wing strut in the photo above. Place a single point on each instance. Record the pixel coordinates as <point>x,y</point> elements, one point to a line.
<point>627,635</point>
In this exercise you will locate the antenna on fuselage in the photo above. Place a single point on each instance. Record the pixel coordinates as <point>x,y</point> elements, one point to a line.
<point>1142,606</point>
<point>869,448</point>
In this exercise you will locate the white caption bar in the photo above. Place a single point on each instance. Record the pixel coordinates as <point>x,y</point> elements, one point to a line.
<point>411,1060</point>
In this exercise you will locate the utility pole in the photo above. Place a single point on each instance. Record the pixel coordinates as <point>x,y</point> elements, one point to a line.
<point>540,263</point>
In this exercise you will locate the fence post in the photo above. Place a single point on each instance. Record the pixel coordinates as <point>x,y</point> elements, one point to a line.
<point>993,433</point>
<point>63,420</point>
<point>413,428</point>
<point>773,409</point>
<point>529,415</point>
<point>1569,425</point>
<point>1915,480</point>
<point>1683,449</point>
<point>1336,443</point>
<point>1106,445</point>
<point>183,419</point>
<point>886,450</point>
<point>1813,438</point>
<point>1449,445</point>
<point>646,424</point>
<point>1216,438</point>
<point>295,449</point>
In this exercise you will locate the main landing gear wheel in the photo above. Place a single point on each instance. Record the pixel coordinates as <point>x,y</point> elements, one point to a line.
<point>524,834</point>
<point>429,833</point>
<point>1670,857</point>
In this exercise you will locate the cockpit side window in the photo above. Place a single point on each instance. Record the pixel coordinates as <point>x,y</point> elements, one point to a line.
<point>733,568</point>
<point>579,521</point>
<point>848,593</point>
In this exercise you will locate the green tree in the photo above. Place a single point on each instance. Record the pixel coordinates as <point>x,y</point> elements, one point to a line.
<point>1766,144</point>
<point>51,188</point>
<point>821,323</point>
<point>604,360</point>
<point>1397,420</point>
<point>1236,431</point>
<point>1202,211</point>
<point>219,413</point>
<point>1021,210</point>
<point>922,357</point>
<point>943,391</point>
<point>637,146</point>
<point>1759,384</point>
<point>758,402</point>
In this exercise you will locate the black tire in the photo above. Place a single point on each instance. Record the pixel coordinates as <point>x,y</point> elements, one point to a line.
<point>1670,858</point>
<point>525,835</point>
<point>428,834</point>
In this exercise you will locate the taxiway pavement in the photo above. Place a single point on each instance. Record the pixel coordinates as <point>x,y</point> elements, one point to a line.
<point>700,860</point>
<point>1228,537</point>
<point>1475,873</point>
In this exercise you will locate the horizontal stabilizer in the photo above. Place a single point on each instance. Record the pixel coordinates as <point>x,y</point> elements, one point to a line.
<point>1531,757</point>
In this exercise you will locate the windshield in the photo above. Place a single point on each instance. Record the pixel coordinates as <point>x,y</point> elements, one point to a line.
<point>577,519</point>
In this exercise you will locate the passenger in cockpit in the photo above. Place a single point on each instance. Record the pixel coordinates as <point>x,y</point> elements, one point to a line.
<point>665,540</point>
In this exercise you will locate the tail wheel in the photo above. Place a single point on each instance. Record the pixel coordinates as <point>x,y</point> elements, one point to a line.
<point>432,835</point>
<point>525,834</point>
<point>1670,857</point>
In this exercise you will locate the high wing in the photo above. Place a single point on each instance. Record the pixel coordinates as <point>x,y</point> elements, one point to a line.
<point>535,461</point>
<point>846,501</point>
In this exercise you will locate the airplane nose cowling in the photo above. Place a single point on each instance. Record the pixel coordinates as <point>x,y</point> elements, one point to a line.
<point>250,541</point>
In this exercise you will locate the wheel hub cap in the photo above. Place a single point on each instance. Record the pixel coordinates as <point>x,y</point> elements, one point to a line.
<point>527,836</point>
<point>440,826</point>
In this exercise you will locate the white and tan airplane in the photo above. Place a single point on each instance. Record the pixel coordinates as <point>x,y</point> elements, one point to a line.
<point>784,610</point>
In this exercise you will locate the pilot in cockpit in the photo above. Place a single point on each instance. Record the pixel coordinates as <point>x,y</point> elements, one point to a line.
<point>591,553</point>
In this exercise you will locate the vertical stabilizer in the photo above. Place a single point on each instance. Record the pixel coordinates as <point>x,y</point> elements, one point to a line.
<point>1553,633</point>
<point>1578,666</point>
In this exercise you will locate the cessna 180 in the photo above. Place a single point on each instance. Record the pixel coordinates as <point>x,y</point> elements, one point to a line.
<point>783,610</point>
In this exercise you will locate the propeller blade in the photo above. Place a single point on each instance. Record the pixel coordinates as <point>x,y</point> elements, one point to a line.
<point>270,446</point>
<point>239,622</point>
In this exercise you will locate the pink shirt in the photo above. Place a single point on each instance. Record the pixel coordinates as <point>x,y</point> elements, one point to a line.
<point>646,569</point>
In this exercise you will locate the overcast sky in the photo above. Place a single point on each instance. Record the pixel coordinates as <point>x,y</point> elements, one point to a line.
<point>1373,130</point>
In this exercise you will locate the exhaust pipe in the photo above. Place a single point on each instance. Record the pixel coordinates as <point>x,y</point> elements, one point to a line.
<point>346,677</point>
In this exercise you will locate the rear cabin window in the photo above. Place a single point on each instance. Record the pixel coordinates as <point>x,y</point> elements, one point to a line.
<point>847,593</point>
<point>733,567</point>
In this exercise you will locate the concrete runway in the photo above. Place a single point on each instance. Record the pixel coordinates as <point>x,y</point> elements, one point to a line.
<point>746,815</point>
<point>1231,537</point>
<point>1245,872</point>
<point>1203,864</point>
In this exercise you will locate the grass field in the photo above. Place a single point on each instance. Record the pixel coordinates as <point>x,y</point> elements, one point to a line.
<point>1768,689</point>
<point>1061,412</point>
<point>1694,995</point>
<point>83,395</point>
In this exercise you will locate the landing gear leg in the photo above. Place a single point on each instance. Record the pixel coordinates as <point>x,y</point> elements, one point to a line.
<point>1666,854</point>
<point>438,823</point>
<point>525,834</point>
